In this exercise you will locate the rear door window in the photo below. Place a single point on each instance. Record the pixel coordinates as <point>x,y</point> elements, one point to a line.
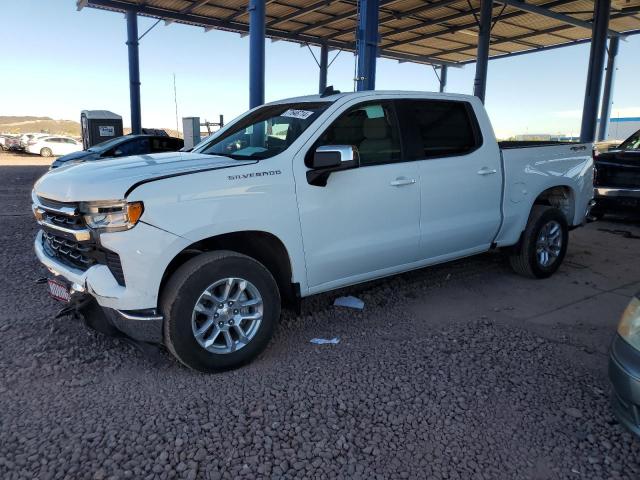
<point>437,128</point>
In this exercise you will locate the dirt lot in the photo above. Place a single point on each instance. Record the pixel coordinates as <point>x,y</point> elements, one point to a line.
<point>463,371</point>
<point>23,159</point>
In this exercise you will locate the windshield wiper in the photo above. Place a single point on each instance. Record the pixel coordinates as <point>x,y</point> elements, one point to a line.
<point>228,155</point>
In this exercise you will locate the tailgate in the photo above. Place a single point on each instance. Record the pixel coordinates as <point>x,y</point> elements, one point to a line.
<point>616,174</point>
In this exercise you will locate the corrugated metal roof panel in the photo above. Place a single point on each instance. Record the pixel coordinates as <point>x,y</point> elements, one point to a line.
<point>414,29</point>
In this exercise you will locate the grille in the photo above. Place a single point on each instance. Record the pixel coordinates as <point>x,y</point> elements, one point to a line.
<point>80,255</point>
<point>74,222</point>
<point>72,253</point>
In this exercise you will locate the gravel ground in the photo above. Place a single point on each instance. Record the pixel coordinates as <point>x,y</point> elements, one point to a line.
<point>463,371</point>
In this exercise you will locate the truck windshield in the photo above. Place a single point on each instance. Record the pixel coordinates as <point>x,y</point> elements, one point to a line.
<point>631,143</point>
<point>266,132</point>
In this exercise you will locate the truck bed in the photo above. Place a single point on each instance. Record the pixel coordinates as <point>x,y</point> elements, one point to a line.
<point>508,144</point>
<point>537,167</point>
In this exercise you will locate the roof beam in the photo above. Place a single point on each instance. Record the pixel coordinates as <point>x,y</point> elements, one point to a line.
<point>298,12</point>
<point>337,18</point>
<point>456,28</point>
<point>533,34</point>
<point>545,12</point>
<point>414,11</point>
<point>194,6</point>
<point>545,48</point>
<point>234,26</point>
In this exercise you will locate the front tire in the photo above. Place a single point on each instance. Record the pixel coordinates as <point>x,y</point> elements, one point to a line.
<point>220,311</point>
<point>543,244</point>
<point>46,152</point>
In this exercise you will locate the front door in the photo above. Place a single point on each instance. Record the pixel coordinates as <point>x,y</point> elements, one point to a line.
<point>365,222</point>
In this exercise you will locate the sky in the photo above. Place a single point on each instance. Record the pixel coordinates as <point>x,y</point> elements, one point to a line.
<point>57,61</point>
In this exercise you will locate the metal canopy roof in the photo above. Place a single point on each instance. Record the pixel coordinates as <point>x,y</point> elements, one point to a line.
<point>437,32</point>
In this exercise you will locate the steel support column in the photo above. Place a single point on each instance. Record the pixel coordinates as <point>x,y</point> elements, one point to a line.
<point>443,78</point>
<point>482,57</point>
<point>607,94</point>
<point>256,52</point>
<point>367,44</point>
<point>596,68</point>
<point>134,71</point>
<point>324,67</point>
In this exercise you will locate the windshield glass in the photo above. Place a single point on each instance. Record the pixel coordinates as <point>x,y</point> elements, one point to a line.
<point>107,144</point>
<point>631,143</point>
<point>264,133</point>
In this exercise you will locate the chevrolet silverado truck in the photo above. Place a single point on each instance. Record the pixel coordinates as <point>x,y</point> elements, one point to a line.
<point>201,250</point>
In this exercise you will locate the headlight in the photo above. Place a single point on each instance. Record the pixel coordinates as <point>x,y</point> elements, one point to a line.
<point>629,326</point>
<point>112,216</point>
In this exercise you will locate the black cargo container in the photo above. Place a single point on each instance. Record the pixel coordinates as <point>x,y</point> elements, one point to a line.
<point>99,126</point>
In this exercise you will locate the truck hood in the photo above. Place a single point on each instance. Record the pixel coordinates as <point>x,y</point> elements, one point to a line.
<point>112,179</point>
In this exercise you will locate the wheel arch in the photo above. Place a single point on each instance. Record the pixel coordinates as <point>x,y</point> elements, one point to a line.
<point>561,197</point>
<point>262,246</point>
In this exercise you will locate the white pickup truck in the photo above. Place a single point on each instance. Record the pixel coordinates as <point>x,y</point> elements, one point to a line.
<point>200,250</point>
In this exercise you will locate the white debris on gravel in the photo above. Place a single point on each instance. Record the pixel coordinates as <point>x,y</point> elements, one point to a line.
<point>349,302</point>
<point>325,341</point>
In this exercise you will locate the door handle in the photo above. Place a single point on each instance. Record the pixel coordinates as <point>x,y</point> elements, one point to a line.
<point>400,181</point>
<point>487,171</point>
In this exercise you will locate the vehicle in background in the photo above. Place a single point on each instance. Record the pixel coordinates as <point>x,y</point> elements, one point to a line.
<point>200,250</point>
<point>617,179</point>
<point>4,142</point>
<point>25,138</point>
<point>624,368</point>
<point>53,146</point>
<point>10,142</point>
<point>124,146</point>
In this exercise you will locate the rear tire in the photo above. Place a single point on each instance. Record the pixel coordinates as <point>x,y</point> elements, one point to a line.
<point>195,294</point>
<point>543,244</point>
<point>46,152</point>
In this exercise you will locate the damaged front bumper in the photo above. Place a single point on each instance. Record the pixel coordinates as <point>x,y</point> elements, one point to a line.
<point>143,326</point>
<point>96,296</point>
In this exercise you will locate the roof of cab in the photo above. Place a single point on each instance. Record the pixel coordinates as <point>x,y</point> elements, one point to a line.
<point>369,93</point>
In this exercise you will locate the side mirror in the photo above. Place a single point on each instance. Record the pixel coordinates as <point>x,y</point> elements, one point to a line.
<point>117,152</point>
<point>331,158</point>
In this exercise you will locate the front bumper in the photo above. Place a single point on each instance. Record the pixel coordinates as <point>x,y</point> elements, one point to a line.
<point>143,326</point>
<point>145,252</point>
<point>624,373</point>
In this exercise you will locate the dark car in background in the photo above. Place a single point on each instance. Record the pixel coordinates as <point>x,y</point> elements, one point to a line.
<point>123,147</point>
<point>617,179</point>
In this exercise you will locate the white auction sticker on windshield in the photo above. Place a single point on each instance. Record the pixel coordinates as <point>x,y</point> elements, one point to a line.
<point>301,114</point>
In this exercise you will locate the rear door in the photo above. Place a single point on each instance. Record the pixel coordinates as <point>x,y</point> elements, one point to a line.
<point>460,176</point>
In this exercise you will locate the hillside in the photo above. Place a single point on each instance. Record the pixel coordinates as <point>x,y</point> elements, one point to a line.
<point>25,124</point>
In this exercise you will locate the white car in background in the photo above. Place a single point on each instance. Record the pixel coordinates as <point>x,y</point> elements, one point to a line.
<point>27,137</point>
<point>53,146</point>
